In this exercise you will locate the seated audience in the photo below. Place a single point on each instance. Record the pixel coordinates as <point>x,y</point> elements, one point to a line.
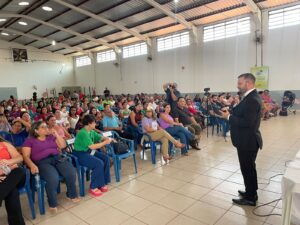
<point>42,116</point>
<point>270,103</point>
<point>73,119</point>
<point>42,155</point>
<point>177,130</point>
<point>4,124</point>
<point>182,115</point>
<point>124,111</point>
<point>18,133</point>
<point>87,148</point>
<point>54,126</point>
<point>112,123</point>
<point>135,118</point>
<point>11,179</point>
<point>151,127</point>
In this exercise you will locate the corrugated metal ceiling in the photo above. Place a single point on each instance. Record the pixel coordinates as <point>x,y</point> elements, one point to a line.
<point>136,15</point>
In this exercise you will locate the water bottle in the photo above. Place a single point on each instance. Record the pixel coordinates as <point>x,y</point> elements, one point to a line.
<point>37,181</point>
<point>6,169</point>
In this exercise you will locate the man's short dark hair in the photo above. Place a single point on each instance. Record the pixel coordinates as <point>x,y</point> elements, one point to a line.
<point>248,76</point>
<point>88,119</point>
<point>180,98</point>
<point>214,96</point>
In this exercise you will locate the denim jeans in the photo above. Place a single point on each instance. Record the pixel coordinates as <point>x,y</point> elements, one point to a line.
<point>99,164</point>
<point>50,169</point>
<point>183,134</point>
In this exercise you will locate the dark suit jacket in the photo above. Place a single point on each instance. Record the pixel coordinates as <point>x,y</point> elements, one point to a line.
<point>244,123</point>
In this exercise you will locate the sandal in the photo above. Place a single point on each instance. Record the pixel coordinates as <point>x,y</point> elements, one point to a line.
<point>53,210</point>
<point>74,200</point>
<point>179,145</point>
<point>166,158</point>
<point>95,192</point>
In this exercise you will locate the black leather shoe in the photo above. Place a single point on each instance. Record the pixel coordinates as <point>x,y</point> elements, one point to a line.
<point>243,194</point>
<point>195,147</point>
<point>244,201</point>
<point>194,144</point>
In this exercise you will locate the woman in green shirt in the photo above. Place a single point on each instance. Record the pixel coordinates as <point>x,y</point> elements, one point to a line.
<point>86,149</point>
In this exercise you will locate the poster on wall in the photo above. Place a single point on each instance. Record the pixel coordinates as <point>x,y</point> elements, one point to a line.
<point>262,77</point>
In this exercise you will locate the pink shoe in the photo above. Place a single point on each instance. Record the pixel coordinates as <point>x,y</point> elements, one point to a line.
<point>95,193</point>
<point>104,189</point>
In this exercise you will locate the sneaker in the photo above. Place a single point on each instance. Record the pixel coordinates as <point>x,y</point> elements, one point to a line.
<point>104,189</point>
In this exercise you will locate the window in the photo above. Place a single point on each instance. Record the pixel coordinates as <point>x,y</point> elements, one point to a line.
<point>135,50</point>
<point>228,29</point>
<point>83,61</point>
<point>106,56</point>
<point>173,41</point>
<point>284,17</point>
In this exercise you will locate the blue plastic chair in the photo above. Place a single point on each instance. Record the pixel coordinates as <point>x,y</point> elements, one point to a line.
<point>81,170</point>
<point>148,142</point>
<point>117,158</point>
<point>26,189</point>
<point>38,185</point>
<point>3,134</point>
<point>214,122</point>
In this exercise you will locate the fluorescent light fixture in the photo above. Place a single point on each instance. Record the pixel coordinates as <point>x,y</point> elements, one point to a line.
<point>47,8</point>
<point>4,34</point>
<point>176,1</point>
<point>23,3</point>
<point>2,20</point>
<point>22,23</point>
<point>53,42</point>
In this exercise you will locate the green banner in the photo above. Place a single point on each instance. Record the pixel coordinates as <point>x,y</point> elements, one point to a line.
<point>262,77</point>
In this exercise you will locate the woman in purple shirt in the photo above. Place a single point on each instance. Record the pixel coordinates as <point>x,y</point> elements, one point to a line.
<point>176,130</point>
<point>41,154</point>
<point>151,127</point>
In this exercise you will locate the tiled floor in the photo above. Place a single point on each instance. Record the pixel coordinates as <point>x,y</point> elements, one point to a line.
<point>189,190</point>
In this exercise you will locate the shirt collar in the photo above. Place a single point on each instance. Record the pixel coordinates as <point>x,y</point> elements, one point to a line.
<point>248,92</point>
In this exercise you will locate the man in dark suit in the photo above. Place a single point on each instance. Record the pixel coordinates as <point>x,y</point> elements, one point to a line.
<point>246,137</point>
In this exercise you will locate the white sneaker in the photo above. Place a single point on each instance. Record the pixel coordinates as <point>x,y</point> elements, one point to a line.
<point>228,134</point>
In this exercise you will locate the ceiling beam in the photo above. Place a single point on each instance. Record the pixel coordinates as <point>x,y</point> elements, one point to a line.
<point>67,30</point>
<point>46,40</point>
<point>77,22</point>
<point>255,10</point>
<point>51,18</point>
<point>169,13</point>
<point>189,19</point>
<point>102,19</point>
<point>26,11</point>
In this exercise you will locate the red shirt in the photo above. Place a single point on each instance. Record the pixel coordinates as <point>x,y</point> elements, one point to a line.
<point>4,154</point>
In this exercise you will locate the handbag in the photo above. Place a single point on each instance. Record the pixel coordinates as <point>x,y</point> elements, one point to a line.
<point>120,147</point>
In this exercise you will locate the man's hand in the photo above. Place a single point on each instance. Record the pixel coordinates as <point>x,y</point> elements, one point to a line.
<point>2,178</point>
<point>224,114</point>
